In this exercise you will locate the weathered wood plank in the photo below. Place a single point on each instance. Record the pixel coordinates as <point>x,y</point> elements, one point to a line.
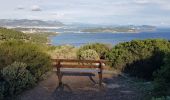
<point>77,73</point>
<point>78,66</point>
<point>80,61</point>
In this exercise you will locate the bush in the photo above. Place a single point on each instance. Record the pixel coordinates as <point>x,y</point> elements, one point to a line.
<point>88,55</point>
<point>64,52</point>
<point>9,34</point>
<point>162,79</point>
<point>17,78</point>
<point>38,62</point>
<point>161,98</point>
<point>101,49</point>
<point>139,57</point>
<point>2,90</point>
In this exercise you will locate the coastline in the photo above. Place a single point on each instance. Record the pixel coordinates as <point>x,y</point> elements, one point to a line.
<point>49,41</point>
<point>115,32</point>
<point>78,39</point>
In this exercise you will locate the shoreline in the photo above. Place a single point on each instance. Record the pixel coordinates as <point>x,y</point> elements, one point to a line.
<point>49,41</point>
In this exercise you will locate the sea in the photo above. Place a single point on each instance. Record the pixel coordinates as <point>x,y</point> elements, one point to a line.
<point>77,39</point>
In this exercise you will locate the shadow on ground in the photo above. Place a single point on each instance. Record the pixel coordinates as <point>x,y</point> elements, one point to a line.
<point>83,88</point>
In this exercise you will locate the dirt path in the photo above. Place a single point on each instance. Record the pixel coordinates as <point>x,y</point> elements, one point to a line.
<point>82,88</point>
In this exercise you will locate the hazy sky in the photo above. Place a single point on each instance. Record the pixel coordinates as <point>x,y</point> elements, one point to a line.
<point>89,11</point>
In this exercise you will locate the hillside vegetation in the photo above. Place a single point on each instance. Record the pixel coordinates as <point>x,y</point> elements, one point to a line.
<point>139,57</point>
<point>119,29</point>
<point>29,23</point>
<point>10,34</point>
<point>22,62</point>
<point>7,34</point>
<point>146,59</point>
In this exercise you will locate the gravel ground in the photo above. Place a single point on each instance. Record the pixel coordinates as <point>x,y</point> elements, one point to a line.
<point>82,88</point>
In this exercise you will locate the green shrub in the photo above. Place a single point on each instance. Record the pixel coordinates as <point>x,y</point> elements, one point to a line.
<point>9,34</point>
<point>41,37</point>
<point>38,62</point>
<point>161,98</point>
<point>88,55</point>
<point>101,49</point>
<point>139,57</point>
<point>2,89</point>
<point>17,77</point>
<point>64,52</point>
<point>162,79</point>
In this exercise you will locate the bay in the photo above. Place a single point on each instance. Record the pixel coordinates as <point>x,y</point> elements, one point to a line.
<point>78,39</point>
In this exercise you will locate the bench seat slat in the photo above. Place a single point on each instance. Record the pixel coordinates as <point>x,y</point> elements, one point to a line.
<point>77,74</point>
<point>80,61</point>
<point>78,66</point>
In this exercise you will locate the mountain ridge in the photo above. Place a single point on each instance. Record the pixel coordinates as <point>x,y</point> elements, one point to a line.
<point>29,23</point>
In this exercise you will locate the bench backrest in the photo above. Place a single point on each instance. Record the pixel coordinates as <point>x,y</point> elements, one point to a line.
<point>74,63</point>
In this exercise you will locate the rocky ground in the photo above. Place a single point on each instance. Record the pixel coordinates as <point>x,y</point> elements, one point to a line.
<point>82,88</point>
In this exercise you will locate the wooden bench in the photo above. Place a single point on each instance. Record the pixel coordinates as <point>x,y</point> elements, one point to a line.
<point>74,63</point>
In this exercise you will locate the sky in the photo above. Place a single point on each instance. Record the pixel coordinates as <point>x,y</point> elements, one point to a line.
<point>122,12</point>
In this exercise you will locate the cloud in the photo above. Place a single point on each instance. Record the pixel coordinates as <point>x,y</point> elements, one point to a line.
<point>20,7</point>
<point>142,2</point>
<point>164,5</point>
<point>161,4</point>
<point>57,15</point>
<point>36,8</point>
<point>113,11</point>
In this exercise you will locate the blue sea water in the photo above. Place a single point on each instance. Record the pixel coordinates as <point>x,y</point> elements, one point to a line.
<point>78,39</point>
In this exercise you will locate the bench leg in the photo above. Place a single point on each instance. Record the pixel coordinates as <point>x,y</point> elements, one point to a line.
<point>100,78</point>
<point>59,76</point>
<point>100,74</point>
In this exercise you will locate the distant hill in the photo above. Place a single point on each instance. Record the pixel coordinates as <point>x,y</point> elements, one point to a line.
<point>119,29</point>
<point>29,23</point>
<point>11,34</point>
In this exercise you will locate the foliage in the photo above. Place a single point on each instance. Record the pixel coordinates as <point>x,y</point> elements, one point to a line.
<point>17,77</point>
<point>9,34</point>
<point>63,52</point>
<point>88,55</point>
<point>40,37</point>
<point>16,47</point>
<point>101,49</point>
<point>2,89</point>
<point>161,98</point>
<point>38,62</point>
<point>162,79</point>
<point>138,57</point>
